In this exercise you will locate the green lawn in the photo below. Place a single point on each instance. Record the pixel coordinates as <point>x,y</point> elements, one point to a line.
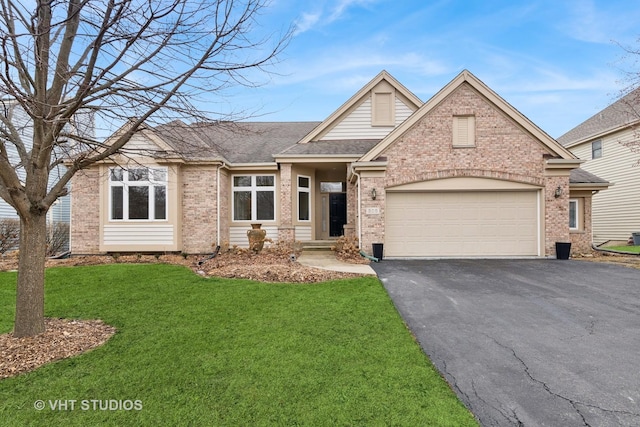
<point>623,248</point>
<point>197,351</point>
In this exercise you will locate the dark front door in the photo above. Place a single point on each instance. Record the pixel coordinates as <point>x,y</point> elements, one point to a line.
<point>337,213</point>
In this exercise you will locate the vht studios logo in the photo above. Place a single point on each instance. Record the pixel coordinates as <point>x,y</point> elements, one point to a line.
<point>88,405</point>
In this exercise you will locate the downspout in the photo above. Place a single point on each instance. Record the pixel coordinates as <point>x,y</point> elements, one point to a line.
<point>353,171</point>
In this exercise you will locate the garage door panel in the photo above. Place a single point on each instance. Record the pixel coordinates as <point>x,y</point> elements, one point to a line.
<point>436,224</point>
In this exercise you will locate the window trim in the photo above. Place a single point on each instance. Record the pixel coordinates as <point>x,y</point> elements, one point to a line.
<point>253,188</point>
<point>598,150</point>
<point>577,214</point>
<point>304,190</point>
<point>149,183</point>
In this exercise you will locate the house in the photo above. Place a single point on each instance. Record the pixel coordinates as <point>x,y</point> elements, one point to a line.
<point>602,142</point>
<point>462,175</point>
<point>82,125</point>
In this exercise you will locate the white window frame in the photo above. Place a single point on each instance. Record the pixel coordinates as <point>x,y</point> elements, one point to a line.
<point>304,190</point>
<point>575,202</point>
<point>253,188</point>
<point>150,183</point>
<point>598,150</point>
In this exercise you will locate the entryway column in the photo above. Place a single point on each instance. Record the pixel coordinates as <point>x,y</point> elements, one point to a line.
<point>285,230</point>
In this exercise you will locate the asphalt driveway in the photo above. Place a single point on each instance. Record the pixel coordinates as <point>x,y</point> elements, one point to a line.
<point>528,342</point>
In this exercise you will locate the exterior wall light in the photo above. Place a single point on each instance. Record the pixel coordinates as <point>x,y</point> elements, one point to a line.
<point>373,194</point>
<point>558,192</point>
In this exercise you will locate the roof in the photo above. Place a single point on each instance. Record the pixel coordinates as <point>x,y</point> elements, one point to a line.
<point>355,147</point>
<point>581,176</point>
<point>618,115</point>
<point>234,142</point>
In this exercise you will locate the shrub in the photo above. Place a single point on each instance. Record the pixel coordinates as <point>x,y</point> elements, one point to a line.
<point>9,234</point>
<point>57,238</point>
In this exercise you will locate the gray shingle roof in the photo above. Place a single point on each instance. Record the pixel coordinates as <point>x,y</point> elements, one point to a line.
<point>624,111</point>
<point>236,142</point>
<point>351,147</point>
<point>581,176</point>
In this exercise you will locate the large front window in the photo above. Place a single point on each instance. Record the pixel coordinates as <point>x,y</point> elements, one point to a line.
<point>254,197</point>
<point>138,194</point>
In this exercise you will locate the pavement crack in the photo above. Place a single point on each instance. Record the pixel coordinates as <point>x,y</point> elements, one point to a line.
<point>573,403</point>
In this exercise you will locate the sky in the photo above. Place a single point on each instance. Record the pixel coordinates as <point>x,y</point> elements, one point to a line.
<point>557,61</point>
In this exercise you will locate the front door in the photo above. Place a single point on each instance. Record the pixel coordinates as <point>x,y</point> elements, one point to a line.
<point>337,214</point>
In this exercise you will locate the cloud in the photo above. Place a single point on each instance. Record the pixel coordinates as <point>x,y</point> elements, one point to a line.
<point>306,22</point>
<point>327,14</point>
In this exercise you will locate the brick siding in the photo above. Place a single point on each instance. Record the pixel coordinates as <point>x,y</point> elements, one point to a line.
<point>85,212</point>
<point>503,150</point>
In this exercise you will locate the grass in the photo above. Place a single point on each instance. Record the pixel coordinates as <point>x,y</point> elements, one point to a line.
<point>624,248</point>
<point>197,351</point>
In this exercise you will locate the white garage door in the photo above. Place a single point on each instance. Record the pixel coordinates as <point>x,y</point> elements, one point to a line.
<point>450,224</point>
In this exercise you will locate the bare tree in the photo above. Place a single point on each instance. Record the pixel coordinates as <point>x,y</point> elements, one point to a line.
<point>132,61</point>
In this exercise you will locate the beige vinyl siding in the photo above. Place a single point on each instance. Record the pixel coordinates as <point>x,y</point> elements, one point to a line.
<point>357,125</point>
<point>138,234</point>
<point>141,144</point>
<point>303,233</point>
<point>616,211</point>
<point>238,235</point>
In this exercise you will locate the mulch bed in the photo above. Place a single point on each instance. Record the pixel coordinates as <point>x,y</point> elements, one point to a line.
<point>62,338</point>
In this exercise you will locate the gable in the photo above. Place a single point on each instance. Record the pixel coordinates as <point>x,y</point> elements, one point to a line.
<point>359,123</point>
<point>499,146</point>
<point>372,113</point>
<point>489,98</point>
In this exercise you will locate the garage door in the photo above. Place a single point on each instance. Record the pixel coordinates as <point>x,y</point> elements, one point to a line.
<point>450,224</point>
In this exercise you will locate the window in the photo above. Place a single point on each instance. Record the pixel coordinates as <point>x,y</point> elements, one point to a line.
<point>464,131</point>
<point>138,194</point>
<point>333,187</point>
<point>596,149</point>
<point>254,198</point>
<point>573,214</point>
<point>304,198</point>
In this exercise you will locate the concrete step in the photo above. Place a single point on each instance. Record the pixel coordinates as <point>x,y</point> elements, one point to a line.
<point>317,245</point>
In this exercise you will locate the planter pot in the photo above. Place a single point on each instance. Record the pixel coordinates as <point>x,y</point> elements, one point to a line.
<point>378,249</point>
<point>256,237</point>
<point>563,249</point>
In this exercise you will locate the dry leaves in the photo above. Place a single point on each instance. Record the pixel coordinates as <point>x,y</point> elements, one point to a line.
<point>62,338</point>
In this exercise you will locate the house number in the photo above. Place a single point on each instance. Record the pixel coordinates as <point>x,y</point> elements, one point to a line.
<point>373,211</point>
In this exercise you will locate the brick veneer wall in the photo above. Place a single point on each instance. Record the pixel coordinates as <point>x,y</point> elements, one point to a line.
<point>199,208</point>
<point>85,212</point>
<point>581,239</point>
<point>286,231</point>
<point>503,150</point>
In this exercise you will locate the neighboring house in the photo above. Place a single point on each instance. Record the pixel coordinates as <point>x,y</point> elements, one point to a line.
<point>462,175</point>
<point>600,142</point>
<point>82,125</point>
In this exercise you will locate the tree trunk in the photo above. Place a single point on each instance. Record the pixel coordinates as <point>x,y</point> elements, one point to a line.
<point>30,292</point>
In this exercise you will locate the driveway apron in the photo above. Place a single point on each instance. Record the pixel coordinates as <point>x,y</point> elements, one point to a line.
<point>527,342</point>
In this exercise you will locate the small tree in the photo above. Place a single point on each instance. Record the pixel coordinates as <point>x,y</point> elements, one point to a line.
<point>135,60</point>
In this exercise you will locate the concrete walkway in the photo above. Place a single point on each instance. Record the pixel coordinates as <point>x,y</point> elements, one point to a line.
<point>327,261</point>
